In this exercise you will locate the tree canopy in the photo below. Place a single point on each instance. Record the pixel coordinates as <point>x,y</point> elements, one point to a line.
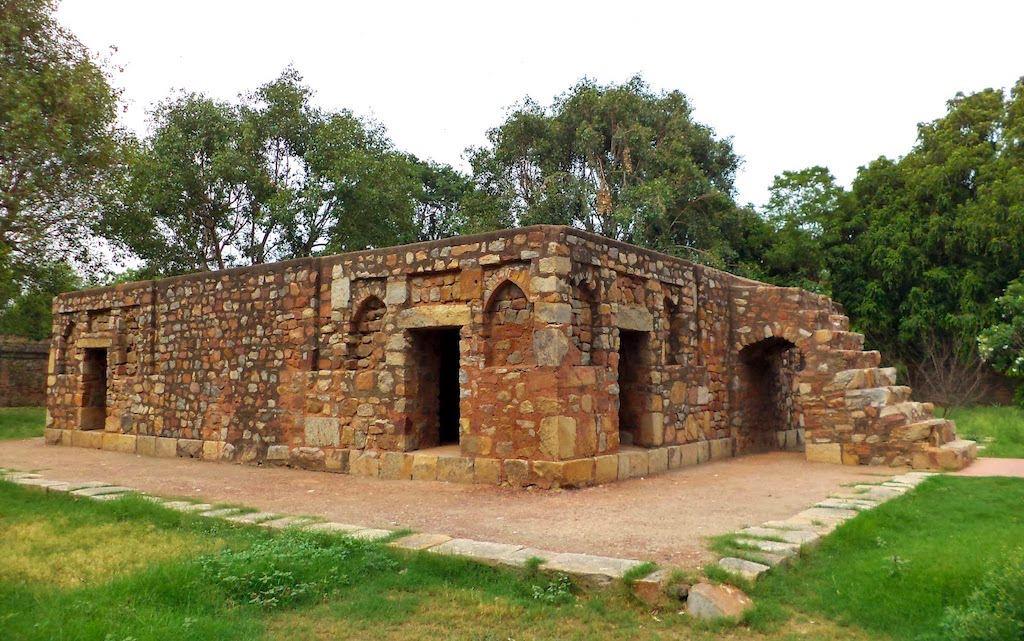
<point>59,148</point>
<point>624,162</point>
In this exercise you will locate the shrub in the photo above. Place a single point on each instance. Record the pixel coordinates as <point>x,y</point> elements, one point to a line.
<point>995,610</point>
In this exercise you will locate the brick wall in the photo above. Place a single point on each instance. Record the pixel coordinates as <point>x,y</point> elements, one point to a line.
<point>22,371</point>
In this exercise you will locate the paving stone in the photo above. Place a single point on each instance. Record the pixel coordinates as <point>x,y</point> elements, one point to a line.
<point>800,537</point>
<point>798,523</point>
<point>747,569</point>
<point>483,551</point>
<point>597,570</point>
<point>221,512</point>
<point>522,555</point>
<point>41,483</point>
<point>285,522</point>
<point>109,497</point>
<point>775,547</point>
<point>330,526</point>
<point>711,601</point>
<point>185,506</point>
<point>104,489</point>
<point>842,504</point>
<point>69,487</point>
<point>825,514</point>
<point>371,534</point>
<point>420,541</point>
<point>253,517</point>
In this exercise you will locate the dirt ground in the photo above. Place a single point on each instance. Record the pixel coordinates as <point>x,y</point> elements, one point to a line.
<point>664,518</point>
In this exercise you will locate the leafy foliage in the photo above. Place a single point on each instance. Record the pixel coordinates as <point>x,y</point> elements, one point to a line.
<point>625,162</point>
<point>919,246</point>
<point>1002,343</point>
<point>273,177</point>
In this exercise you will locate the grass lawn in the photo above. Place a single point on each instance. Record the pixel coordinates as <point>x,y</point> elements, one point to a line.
<point>21,422</point>
<point>893,571</point>
<point>129,569</point>
<point>999,428</point>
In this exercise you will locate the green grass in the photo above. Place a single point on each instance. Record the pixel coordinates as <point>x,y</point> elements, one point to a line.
<point>999,428</point>
<point>21,422</point>
<point>894,570</point>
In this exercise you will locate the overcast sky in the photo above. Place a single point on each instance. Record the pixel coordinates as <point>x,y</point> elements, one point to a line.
<point>793,83</point>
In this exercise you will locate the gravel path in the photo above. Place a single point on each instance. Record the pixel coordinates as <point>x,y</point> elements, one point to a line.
<point>663,518</point>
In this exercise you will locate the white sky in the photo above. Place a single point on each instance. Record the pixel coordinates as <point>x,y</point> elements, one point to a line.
<point>794,83</point>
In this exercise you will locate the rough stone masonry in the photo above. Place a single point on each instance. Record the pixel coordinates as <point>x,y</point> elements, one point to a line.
<point>542,356</point>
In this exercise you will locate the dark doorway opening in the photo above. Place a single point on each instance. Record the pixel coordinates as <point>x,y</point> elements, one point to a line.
<point>765,399</point>
<point>436,354</point>
<point>94,389</point>
<point>634,377</point>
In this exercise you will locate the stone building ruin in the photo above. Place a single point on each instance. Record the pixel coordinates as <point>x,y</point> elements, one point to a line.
<point>542,356</point>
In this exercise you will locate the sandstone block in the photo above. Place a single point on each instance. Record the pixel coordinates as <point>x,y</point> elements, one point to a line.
<point>550,346</point>
<point>824,453</point>
<point>87,438</point>
<point>145,445</point>
<point>634,318</point>
<point>632,464</point>
<point>278,453</point>
<point>441,315</point>
<point>396,466</point>
<point>166,447</point>
<point>487,470</point>
<point>115,442</point>
<point>455,469</point>
<point>336,461</point>
<point>212,450</point>
<point>710,601</point>
<point>720,448</point>
<point>546,474</point>
<point>322,431</point>
<point>516,472</point>
<point>559,265</point>
<point>578,472</point>
<point>657,460</point>
<point>558,436</point>
<point>424,467</point>
<point>553,312</point>
<point>364,463</point>
<point>606,468</point>
<point>190,448</point>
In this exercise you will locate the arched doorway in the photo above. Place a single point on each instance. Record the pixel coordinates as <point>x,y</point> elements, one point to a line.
<point>766,394</point>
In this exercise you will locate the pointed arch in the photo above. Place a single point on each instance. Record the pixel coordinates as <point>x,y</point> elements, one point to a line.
<point>585,319</point>
<point>365,340</point>
<point>508,327</point>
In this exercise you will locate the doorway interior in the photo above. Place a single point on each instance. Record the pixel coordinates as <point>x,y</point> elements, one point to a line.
<point>436,354</point>
<point>634,376</point>
<point>94,389</point>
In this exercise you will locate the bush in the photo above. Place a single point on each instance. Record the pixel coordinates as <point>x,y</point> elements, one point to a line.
<point>994,611</point>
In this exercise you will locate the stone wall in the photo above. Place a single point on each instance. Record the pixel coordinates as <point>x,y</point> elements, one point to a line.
<point>550,356</point>
<point>23,364</point>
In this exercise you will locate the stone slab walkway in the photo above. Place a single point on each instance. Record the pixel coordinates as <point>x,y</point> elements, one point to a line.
<point>665,518</point>
<point>592,570</point>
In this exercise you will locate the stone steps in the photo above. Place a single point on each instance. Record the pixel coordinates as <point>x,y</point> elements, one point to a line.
<point>954,455</point>
<point>905,412</point>
<point>863,377</point>
<point>877,396</point>
<point>937,431</point>
<point>854,358</point>
<point>847,341</point>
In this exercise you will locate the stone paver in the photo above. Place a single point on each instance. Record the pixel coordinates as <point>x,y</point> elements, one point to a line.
<point>106,489</point>
<point>747,569</point>
<point>330,526</point>
<point>420,541</point>
<point>285,522</point>
<point>185,506</point>
<point>220,513</point>
<point>799,537</point>
<point>594,569</point>
<point>481,550</point>
<point>251,518</point>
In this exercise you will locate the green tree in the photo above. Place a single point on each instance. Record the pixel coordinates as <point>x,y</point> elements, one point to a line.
<point>60,151</point>
<point>28,310</point>
<point>268,178</point>
<point>920,247</point>
<point>800,209</point>
<point>1002,343</point>
<point>625,162</point>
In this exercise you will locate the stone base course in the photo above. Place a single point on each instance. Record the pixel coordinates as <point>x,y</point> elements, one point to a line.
<point>635,462</point>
